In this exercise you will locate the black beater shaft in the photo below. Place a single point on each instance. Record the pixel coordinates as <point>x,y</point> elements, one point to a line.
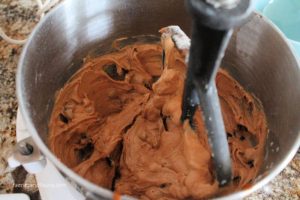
<point>213,21</point>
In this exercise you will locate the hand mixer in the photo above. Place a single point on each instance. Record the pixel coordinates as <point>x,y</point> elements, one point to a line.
<point>213,21</point>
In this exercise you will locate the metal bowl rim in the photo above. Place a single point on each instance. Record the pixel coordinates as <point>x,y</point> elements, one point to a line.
<point>105,192</point>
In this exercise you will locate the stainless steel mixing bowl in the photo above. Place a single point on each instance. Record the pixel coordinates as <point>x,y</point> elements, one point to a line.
<point>258,56</point>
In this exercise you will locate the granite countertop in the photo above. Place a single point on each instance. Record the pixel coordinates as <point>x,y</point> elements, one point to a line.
<point>17,18</point>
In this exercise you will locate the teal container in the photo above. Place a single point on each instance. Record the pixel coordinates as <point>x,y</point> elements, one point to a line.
<point>286,15</point>
<point>260,5</point>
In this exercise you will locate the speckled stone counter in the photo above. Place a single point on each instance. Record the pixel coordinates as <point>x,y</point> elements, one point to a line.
<point>17,18</point>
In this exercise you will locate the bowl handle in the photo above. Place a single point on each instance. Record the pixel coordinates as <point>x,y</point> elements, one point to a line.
<point>27,154</point>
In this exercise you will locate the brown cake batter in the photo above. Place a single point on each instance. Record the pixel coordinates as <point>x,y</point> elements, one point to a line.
<point>117,124</point>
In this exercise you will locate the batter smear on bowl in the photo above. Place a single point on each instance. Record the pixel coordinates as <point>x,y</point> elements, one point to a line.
<point>117,123</point>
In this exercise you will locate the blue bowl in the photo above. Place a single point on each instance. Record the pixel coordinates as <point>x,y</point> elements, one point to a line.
<point>285,14</point>
<point>260,5</point>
